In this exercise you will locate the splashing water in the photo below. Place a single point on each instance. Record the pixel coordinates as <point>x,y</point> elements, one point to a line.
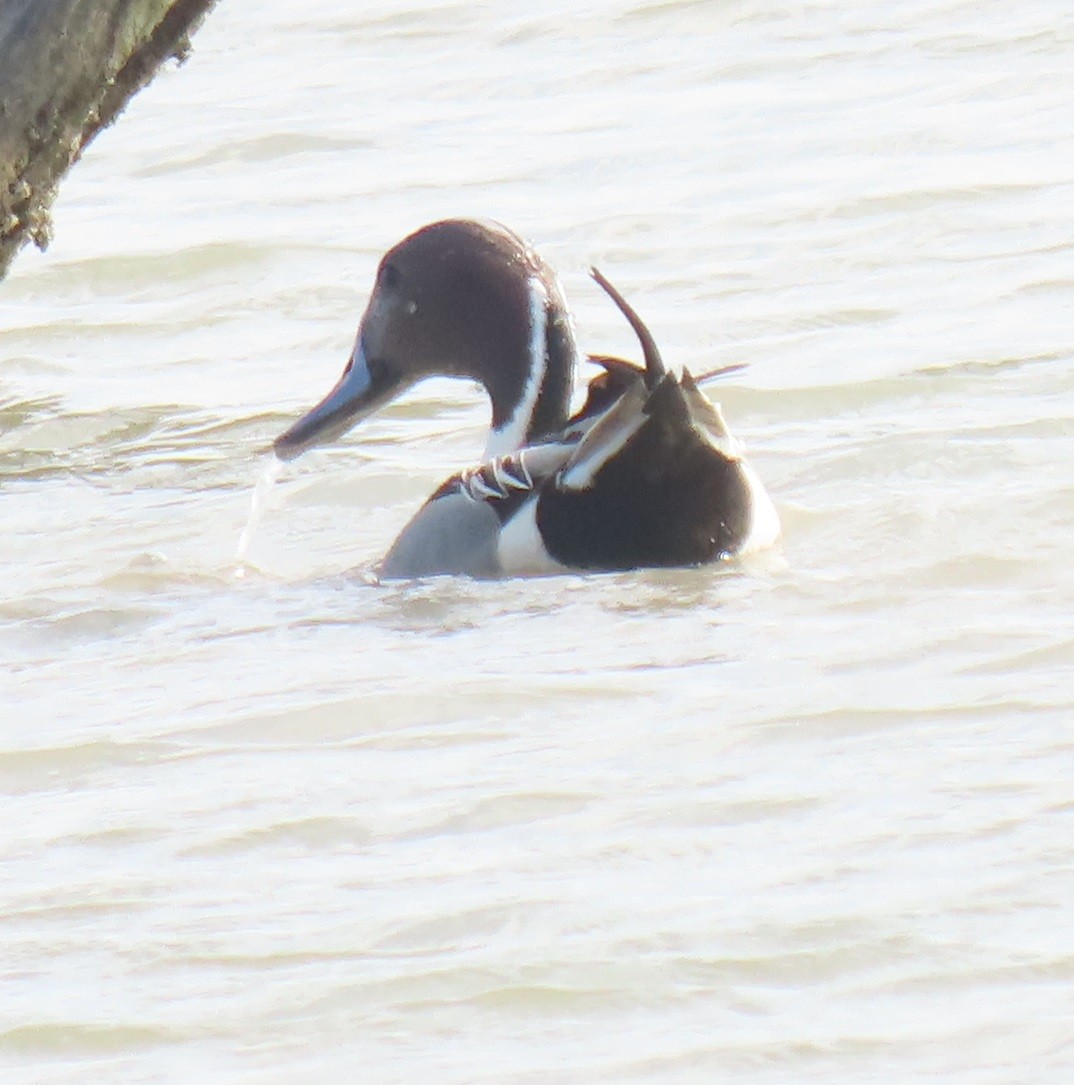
<point>258,502</point>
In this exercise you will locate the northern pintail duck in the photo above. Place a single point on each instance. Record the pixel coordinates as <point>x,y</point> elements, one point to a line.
<point>646,474</point>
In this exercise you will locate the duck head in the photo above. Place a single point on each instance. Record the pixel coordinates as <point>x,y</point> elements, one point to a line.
<point>457,298</point>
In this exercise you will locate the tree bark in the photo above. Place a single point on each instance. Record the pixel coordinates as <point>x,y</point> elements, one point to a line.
<point>67,69</point>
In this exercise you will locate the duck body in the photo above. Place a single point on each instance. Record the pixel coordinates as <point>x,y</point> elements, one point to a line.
<point>671,495</point>
<point>645,475</point>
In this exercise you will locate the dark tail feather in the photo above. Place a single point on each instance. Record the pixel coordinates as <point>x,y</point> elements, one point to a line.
<point>723,371</point>
<point>654,364</point>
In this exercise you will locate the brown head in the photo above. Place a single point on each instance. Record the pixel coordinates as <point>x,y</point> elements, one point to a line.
<point>461,299</point>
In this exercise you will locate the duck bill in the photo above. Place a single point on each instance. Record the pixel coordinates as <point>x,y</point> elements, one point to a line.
<point>357,395</point>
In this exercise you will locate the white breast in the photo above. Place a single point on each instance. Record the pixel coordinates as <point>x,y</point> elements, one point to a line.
<point>521,550</point>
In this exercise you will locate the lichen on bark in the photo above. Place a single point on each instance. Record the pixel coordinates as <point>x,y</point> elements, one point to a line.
<point>67,70</point>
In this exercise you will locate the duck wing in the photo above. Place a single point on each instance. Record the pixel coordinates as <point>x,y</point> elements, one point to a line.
<point>480,522</point>
<point>459,530</point>
<point>602,391</point>
<point>646,474</point>
<point>658,481</point>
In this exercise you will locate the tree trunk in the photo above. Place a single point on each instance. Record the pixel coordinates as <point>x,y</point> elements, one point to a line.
<point>67,69</point>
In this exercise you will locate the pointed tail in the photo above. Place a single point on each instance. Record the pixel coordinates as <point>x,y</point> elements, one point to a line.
<point>654,364</point>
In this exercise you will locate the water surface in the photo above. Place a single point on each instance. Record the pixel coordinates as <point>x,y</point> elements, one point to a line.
<point>802,819</point>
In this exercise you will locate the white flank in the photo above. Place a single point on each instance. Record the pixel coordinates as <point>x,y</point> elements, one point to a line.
<point>521,550</point>
<point>512,434</point>
<point>764,520</point>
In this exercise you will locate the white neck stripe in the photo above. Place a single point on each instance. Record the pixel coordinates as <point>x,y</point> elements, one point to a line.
<point>512,434</point>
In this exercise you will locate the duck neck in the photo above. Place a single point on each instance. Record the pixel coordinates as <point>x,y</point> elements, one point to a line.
<point>531,398</point>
